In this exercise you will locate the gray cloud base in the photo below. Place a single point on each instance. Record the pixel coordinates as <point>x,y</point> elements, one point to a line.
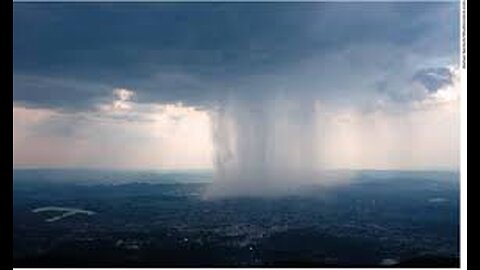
<point>72,55</point>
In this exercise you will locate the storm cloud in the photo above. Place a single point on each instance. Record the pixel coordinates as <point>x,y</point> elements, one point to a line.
<point>255,90</point>
<point>72,55</point>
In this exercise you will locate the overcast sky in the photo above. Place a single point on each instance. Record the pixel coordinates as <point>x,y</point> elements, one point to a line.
<point>129,85</point>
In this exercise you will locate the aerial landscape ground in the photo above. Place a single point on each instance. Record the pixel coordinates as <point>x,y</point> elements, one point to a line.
<point>139,219</point>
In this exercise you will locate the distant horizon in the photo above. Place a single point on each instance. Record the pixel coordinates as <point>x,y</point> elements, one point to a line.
<point>213,169</point>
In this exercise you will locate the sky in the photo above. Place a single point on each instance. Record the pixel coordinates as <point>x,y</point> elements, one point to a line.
<point>136,85</point>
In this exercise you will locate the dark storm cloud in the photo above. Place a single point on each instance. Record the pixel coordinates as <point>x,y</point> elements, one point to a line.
<point>72,55</point>
<point>68,94</point>
<point>434,78</point>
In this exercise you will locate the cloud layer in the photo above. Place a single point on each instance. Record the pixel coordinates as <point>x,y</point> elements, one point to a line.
<point>138,84</point>
<point>70,56</point>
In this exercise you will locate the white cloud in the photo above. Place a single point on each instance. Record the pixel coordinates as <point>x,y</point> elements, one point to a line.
<point>174,136</point>
<point>122,102</point>
<point>123,94</point>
